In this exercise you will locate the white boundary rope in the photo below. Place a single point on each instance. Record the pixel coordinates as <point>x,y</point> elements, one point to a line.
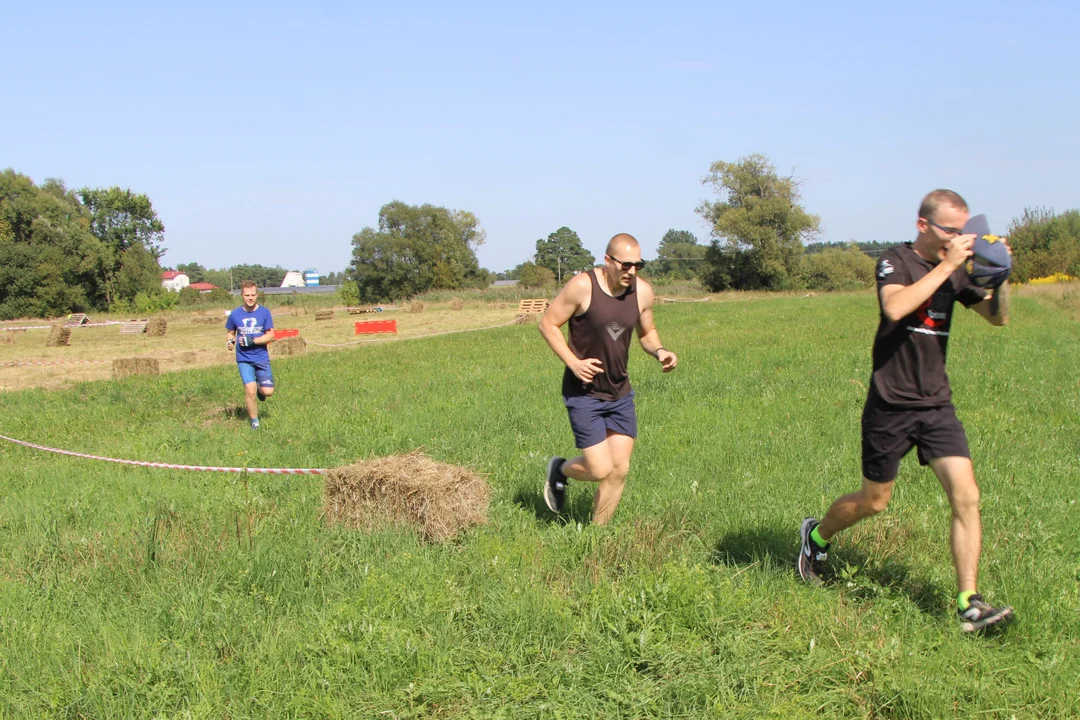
<point>704,299</point>
<point>54,362</point>
<point>171,466</point>
<point>411,337</point>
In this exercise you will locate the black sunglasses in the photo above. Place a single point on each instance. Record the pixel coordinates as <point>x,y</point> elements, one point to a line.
<point>627,265</point>
<point>946,230</point>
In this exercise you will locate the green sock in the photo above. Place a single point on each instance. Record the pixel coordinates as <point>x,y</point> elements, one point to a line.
<point>964,599</point>
<point>816,537</point>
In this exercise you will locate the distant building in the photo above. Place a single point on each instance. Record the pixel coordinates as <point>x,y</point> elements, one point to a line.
<point>294,278</point>
<point>175,281</point>
<point>203,287</point>
<point>311,277</point>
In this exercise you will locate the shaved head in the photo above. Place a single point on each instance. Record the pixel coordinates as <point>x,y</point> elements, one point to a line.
<point>619,243</point>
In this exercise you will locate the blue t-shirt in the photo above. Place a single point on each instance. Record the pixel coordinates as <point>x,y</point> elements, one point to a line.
<point>253,324</point>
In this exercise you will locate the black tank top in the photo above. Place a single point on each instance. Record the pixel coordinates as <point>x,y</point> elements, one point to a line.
<point>603,332</point>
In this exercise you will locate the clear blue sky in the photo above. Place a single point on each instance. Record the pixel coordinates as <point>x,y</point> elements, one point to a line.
<point>270,133</point>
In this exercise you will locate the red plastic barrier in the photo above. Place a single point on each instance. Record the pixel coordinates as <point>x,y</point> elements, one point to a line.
<point>280,333</point>
<point>372,327</point>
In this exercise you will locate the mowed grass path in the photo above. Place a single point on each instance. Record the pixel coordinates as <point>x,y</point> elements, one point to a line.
<point>129,592</point>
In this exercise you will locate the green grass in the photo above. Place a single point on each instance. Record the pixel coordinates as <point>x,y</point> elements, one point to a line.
<point>129,592</point>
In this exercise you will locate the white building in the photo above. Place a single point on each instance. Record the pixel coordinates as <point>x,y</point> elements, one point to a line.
<point>293,278</point>
<point>173,280</point>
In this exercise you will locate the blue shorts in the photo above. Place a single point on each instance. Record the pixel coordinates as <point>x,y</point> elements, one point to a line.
<point>591,418</point>
<point>256,372</point>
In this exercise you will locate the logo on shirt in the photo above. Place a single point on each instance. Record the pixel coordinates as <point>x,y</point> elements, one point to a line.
<point>615,330</point>
<point>250,328</point>
<point>884,269</point>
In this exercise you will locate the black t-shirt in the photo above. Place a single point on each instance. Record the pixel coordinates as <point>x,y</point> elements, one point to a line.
<point>909,355</point>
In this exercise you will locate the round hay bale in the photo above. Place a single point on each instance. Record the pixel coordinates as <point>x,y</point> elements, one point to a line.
<point>437,499</point>
<point>416,306</point>
<point>289,346</point>
<point>59,336</point>
<point>324,314</point>
<point>157,327</point>
<point>126,367</point>
<point>456,304</point>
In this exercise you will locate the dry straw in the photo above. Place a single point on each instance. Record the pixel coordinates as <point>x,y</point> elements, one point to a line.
<point>157,327</point>
<point>416,307</point>
<point>324,314</point>
<point>126,367</point>
<point>7,338</point>
<point>456,304</point>
<point>439,500</point>
<point>527,318</point>
<point>59,336</point>
<point>288,346</point>
<point>207,321</point>
<point>189,357</point>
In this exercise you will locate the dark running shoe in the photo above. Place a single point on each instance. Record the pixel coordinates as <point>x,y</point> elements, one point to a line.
<point>258,394</point>
<point>979,615</point>
<point>555,485</point>
<point>812,556</point>
<point>255,423</point>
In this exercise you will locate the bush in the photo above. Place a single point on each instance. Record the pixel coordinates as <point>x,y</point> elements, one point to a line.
<point>838,268</point>
<point>187,297</point>
<point>535,276</point>
<point>1044,243</point>
<point>349,293</point>
<point>217,296</point>
<point>154,302</point>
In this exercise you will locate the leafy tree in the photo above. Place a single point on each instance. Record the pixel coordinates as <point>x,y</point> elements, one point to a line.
<point>139,272</point>
<point>535,276</point>
<point>219,278</point>
<point>758,226</point>
<point>121,219</point>
<point>49,259</point>
<point>333,278</point>
<point>563,254</point>
<point>1045,243</point>
<point>258,274</point>
<point>679,257</point>
<point>194,271</point>
<point>415,249</point>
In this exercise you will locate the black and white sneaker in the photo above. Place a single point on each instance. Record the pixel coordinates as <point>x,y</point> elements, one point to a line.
<point>979,615</point>
<point>812,556</point>
<point>555,485</point>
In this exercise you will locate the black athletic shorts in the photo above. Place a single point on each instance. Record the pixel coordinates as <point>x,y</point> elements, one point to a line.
<point>889,432</point>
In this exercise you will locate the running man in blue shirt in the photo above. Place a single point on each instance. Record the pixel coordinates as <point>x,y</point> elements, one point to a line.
<point>251,329</point>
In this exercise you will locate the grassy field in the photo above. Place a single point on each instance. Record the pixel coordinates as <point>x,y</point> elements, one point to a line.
<point>129,592</point>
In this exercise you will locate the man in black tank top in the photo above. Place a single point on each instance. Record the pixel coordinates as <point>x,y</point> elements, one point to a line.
<point>602,306</point>
<point>909,403</point>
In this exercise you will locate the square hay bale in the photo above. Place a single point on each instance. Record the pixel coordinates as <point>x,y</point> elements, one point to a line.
<point>126,367</point>
<point>324,314</point>
<point>288,347</point>
<point>157,327</point>
<point>189,357</point>
<point>456,304</point>
<point>437,499</point>
<point>416,306</point>
<point>59,336</point>
<point>7,338</point>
